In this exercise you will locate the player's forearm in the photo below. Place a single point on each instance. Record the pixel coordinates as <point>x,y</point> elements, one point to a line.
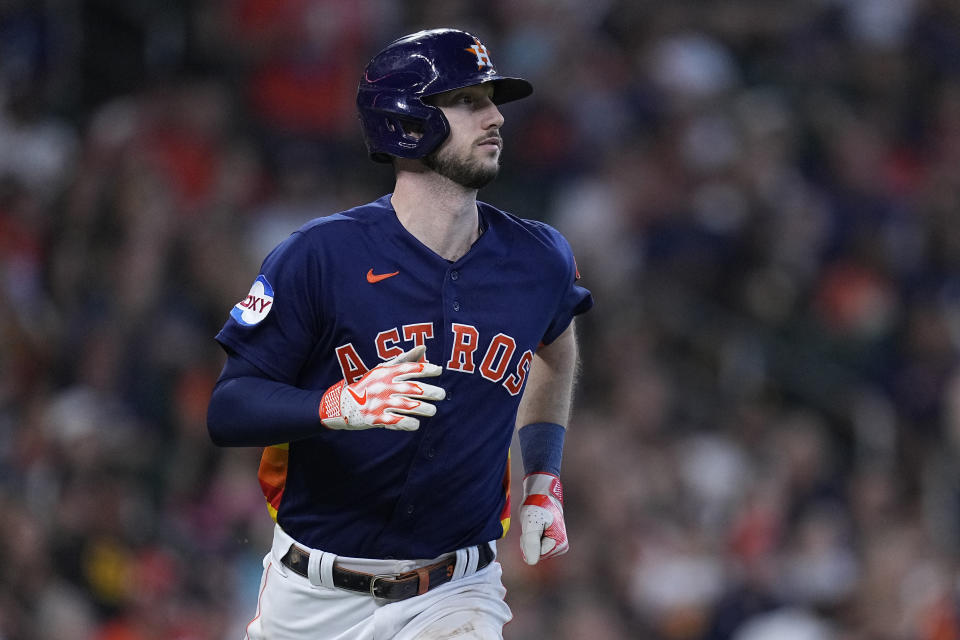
<point>549,391</point>
<point>248,411</point>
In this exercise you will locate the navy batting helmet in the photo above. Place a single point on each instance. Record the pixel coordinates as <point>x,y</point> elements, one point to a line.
<point>395,119</point>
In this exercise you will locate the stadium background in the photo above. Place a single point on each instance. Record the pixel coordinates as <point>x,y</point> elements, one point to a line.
<point>763,196</point>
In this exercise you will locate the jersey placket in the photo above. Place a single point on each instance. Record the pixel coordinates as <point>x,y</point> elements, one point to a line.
<point>410,496</point>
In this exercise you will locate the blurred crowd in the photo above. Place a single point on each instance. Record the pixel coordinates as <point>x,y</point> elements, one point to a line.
<point>763,196</point>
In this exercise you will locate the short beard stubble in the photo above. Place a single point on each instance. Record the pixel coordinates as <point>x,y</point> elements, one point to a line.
<point>470,175</point>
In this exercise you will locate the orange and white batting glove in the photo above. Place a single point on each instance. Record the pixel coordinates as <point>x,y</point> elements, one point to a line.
<point>385,397</point>
<point>543,533</point>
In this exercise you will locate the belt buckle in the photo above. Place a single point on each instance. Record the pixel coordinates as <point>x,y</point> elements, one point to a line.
<point>373,582</point>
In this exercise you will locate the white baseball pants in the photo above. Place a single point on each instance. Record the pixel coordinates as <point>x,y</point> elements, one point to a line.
<point>291,607</point>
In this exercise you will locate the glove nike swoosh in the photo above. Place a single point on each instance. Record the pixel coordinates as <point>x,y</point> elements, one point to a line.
<point>362,399</point>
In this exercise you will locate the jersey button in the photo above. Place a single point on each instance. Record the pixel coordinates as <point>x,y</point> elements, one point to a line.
<point>454,275</point>
<point>431,452</point>
<point>410,509</point>
<point>456,306</point>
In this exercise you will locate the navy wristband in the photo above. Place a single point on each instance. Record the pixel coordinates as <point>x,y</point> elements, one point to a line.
<point>541,447</point>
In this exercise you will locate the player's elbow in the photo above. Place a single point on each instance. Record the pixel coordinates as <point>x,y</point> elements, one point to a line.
<point>218,416</point>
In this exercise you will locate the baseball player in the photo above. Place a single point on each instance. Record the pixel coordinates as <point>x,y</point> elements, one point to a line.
<point>384,356</point>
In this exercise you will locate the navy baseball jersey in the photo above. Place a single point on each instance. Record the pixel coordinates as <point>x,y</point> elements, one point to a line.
<point>348,291</point>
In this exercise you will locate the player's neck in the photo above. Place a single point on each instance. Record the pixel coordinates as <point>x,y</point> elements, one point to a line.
<point>438,212</point>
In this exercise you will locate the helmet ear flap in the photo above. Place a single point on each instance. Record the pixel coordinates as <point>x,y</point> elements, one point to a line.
<point>408,132</point>
<point>389,134</point>
<point>405,133</point>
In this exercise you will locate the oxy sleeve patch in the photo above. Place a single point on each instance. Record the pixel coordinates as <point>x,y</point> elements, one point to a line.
<point>255,307</point>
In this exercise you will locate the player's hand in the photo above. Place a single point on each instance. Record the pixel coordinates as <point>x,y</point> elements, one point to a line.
<point>543,533</point>
<point>385,396</point>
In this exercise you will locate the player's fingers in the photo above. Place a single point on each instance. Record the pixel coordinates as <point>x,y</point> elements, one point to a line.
<point>410,370</point>
<point>422,392</point>
<point>533,521</point>
<point>412,408</point>
<point>405,423</point>
<point>557,548</point>
<point>530,545</point>
<point>410,356</point>
<point>546,546</point>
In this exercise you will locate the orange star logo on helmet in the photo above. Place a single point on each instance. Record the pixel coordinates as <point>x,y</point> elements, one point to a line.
<point>483,58</point>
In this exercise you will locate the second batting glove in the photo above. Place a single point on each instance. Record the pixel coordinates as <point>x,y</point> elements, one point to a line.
<point>543,533</point>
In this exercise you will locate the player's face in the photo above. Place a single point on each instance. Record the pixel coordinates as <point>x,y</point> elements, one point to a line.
<point>470,156</point>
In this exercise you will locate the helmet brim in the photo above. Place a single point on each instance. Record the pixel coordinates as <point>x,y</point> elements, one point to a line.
<point>510,89</point>
<point>505,89</point>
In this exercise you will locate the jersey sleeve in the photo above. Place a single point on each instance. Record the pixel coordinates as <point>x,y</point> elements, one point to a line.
<point>276,326</point>
<point>573,299</point>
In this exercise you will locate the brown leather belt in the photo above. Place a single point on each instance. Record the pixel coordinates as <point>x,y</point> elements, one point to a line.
<point>394,586</point>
